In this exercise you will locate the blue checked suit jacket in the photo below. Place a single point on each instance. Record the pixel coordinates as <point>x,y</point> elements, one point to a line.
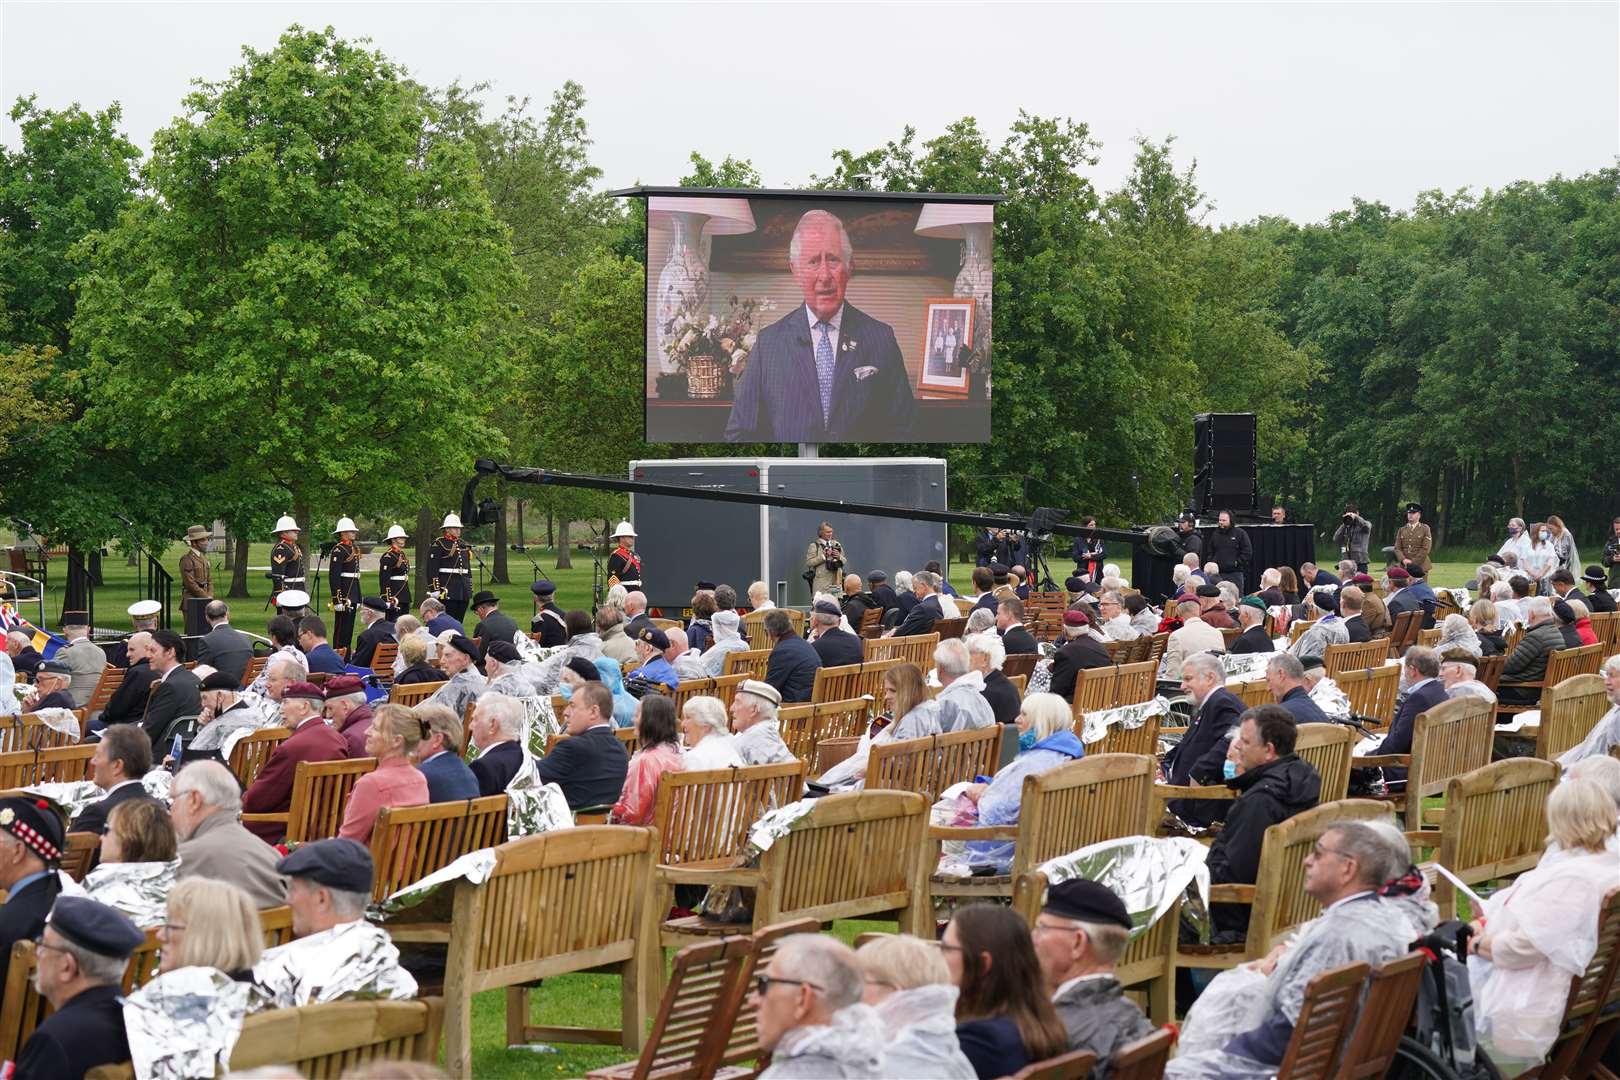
<point>778,399</point>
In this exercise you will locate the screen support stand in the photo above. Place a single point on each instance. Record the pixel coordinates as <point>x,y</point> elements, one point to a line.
<point>809,451</point>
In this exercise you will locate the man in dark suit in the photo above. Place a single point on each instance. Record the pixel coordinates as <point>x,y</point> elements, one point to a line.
<point>984,584</point>
<point>1252,617</point>
<point>833,644</point>
<point>1563,585</point>
<point>826,371</point>
<point>178,693</point>
<point>438,757</point>
<point>1351,602</point>
<point>83,951</point>
<point>1200,756</point>
<point>927,608</point>
<point>224,648</point>
<point>1010,624</point>
<point>1420,673</point>
<point>793,662</point>
<point>1285,678</point>
<point>493,623</point>
<point>128,702</point>
<point>378,629</point>
<point>122,758</point>
<point>1418,590</point>
<point>878,585</point>
<point>33,843</point>
<point>312,739</point>
<point>591,764</point>
<point>321,656</point>
<point>1398,594</point>
<point>497,724</point>
<point>1079,652</point>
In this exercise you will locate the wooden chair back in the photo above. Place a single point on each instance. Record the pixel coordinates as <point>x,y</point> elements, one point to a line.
<point>277,925</point>
<point>1049,600</point>
<point>1592,996</point>
<point>58,765</point>
<point>871,623</point>
<point>1100,797</point>
<point>1372,692</point>
<point>1328,748</point>
<point>255,667</point>
<point>110,680</point>
<point>29,732</point>
<point>80,854</point>
<point>1143,739</point>
<point>933,763</point>
<point>1404,630</point>
<point>1017,664</point>
<point>950,628</point>
<point>917,649</point>
<point>1075,1065</point>
<point>1297,628</point>
<point>410,842</point>
<point>704,816</point>
<point>1354,656</point>
<point>1392,992</point>
<point>1143,1059</point>
<point>686,1041</point>
<point>1323,1028</point>
<point>325,1040</point>
<point>1606,625</point>
<point>805,726</point>
<point>1430,637</point>
<point>382,660</point>
<point>1252,693</point>
<point>1093,691</point>
<point>837,683</point>
<point>1569,711</point>
<point>1156,650</point>
<point>627,736</point>
<point>253,750</point>
<point>320,792</point>
<point>1495,824</point>
<point>1450,740</point>
<point>1020,683</point>
<point>1280,901</point>
<point>689,689</point>
<point>725,687</point>
<point>1134,683</point>
<point>750,663</point>
<point>739,1017</point>
<point>555,903</point>
<point>413,693</point>
<point>754,625</point>
<point>1230,634</point>
<point>1489,670</point>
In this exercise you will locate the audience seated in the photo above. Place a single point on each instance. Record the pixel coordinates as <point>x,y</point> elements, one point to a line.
<point>121,759</point>
<point>961,702</point>
<point>1046,741</point>
<point>709,745</point>
<point>413,651</point>
<point>910,713</point>
<point>1211,607</point>
<point>753,718</point>
<point>651,644</point>
<point>459,656</point>
<point>1252,618</point>
<point>923,604</point>
<point>793,662</point>
<point>1605,734</point>
<point>81,958</point>
<point>1457,671</point>
<point>206,807</point>
<point>321,656</point>
<point>346,708</point>
<point>1200,756</point>
<point>138,831</point>
<point>211,924</point>
<point>1457,635</point>
<point>31,843</point>
<point>611,624</point>
<point>1420,680</point>
<point>178,693</point>
<point>986,654</point>
<point>1486,623</point>
<point>590,765</point>
<point>1194,635</point>
<point>659,753</point>
<point>1015,637</point>
<point>1005,1020</point>
<point>498,722</point>
<point>1322,605</point>
<point>811,1018</point>
<point>52,681</point>
<point>312,739</point>
<point>727,639</point>
<point>226,711</point>
<point>1079,936</point>
<point>834,645</point>
<point>909,985</point>
<point>438,756</point>
<point>687,662</point>
<point>128,701</point>
<point>395,733</point>
<point>1285,678</point>
<point>1352,601</point>
<point>1080,650</point>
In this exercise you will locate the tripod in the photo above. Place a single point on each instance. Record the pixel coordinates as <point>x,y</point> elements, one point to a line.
<point>1038,570</point>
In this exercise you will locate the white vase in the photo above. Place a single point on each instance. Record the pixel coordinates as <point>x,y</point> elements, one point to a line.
<point>683,283</point>
<point>974,279</point>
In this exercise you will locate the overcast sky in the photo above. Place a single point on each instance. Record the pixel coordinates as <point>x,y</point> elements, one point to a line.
<point>1288,108</point>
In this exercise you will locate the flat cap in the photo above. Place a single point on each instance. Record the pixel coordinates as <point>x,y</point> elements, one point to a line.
<point>1565,613</point>
<point>583,668</point>
<point>482,597</point>
<point>464,644</point>
<point>375,603</point>
<point>341,685</point>
<point>504,651</point>
<point>1312,663</point>
<point>875,576</point>
<point>221,680</point>
<point>1086,901</point>
<point>827,607</point>
<point>144,609</point>
<point>303,690</point>
<point>92,925</point>
<point>1076,617</point>
<point>761,689</point>
<point>1326,599</point>
<point>1074,583</point>
<point>1459,656</point>
<point>654,637</point>
<point>337,863</point>
<point>543,587</point>
<point>36,824</point>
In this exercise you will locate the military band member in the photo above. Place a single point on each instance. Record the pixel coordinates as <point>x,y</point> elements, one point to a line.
<point>286,559</point>
<point>394,574</point>
<point>450,569</point>
<point>624,565</point>
<point>196,580</point>
<point>548,617</point>
<point>1413,541</point>
<point>343,577</point>
<point>143,616</point>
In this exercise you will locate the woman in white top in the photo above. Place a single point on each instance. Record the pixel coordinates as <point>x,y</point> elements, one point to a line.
<point>704,734</point>
<point>1539,558</point>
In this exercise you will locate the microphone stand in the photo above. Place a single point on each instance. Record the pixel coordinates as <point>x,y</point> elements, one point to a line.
<point>482,569</point>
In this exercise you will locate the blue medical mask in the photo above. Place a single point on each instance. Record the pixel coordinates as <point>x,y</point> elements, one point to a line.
<point>1026,739</point>
<point>1545,535</point>
<point>1229,768</point>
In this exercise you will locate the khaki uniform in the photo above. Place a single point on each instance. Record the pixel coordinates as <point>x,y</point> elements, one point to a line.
<point>1412,544</point>
<point>196,588</point>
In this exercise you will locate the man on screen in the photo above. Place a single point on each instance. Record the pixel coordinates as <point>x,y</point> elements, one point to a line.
<point>824,372</point>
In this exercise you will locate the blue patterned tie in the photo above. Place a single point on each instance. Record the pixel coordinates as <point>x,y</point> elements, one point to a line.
<point>824,370</point>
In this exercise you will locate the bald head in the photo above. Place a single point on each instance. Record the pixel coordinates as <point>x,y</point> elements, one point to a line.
<point>139,646</point>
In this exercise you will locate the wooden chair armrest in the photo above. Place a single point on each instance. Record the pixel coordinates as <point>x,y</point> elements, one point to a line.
<point>1382,760</point>
<point>732,875</point>
<point>265,819</point>
<point>980,832</point>
<point>1193,791</point>
<point>1424,838</point>
<point>1231,893</point>
<point>1532,684</point>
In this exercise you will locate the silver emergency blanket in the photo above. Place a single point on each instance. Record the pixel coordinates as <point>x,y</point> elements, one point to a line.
<point>1330,699</point>
<point>61,721</point>
<point>184,1024</point>
<point>542,723</point>
<point>75,795</point>
<point>474,867</point>
<point>1456,596</point>
<point>1243,667</point>
<point>138,889</point>
<point>1128,717</point>
<point>231,727</point>
<point>351,960</point>
<point>1148,873</point>
<point>1040,680</point>
<point>533,807</point>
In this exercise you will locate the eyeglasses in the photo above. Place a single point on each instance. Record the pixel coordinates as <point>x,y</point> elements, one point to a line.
<point>762,984</point>
<point>943,947</point>
<point>169,929</point>
<point>1318,850</point>
<point>41,943</point>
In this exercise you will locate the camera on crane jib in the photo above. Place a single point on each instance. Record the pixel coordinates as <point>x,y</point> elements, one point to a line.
<point>1039,525</point>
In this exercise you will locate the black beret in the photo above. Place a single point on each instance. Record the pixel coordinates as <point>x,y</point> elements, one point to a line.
<point>56,667</point>
<point>221,680</point>
<point>482,597</point>
<point>1496,559</point>
<point>1209,590</point>
<point>875,576</point>
<point>36,824</point>
<point>827,607</point>
<point>1326,599</point>
<point>375,603</point>
<point>702,585</point>
<point>1074,584</point>
<point>654,637</point>
<point>583,668</point>
<point>1086,901</point>
<point>1414,569</point>
<point>1309,662</point>
<point>93,925</point>
<point>462,643</point>
<point>543,588</point>
<point>337,863</point>
<point>504,651</point>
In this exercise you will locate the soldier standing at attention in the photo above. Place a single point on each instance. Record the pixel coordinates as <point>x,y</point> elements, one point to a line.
<point>449,569</point>
<point>1413,541</point>
<point>624,565</point>
<point>394,574</point>
<point>196,580</point>
<point>286,559</point>
<point>343,576</point>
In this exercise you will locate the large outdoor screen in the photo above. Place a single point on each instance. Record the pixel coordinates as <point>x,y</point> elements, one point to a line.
<point>810,318</point>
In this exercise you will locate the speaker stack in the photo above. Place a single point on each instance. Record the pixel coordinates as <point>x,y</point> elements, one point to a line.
<point>1224,464</point>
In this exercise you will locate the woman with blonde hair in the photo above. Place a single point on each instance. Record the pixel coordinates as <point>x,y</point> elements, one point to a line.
<point>392,739</point>
<point>1541,931</point>
<point>1487,624</point>
<point>1046,741</point>
<point>139,861</point>
<point>908,713</point>
<point>910,986</point>
<point>211,924</point>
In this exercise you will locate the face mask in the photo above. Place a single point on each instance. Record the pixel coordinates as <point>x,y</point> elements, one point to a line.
<point>1513,530</point>
<point>1545,536</point>
<point>1026,739</point>
<point>1229,769</point>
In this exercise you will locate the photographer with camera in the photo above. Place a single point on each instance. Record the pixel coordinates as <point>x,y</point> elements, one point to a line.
<point>824,562</point>
<point>1353,537</point>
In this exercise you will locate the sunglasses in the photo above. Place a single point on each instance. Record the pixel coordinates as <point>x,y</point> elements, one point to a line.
<point>762,984</point>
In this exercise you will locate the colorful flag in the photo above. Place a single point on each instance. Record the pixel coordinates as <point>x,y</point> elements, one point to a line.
<point>45,643</point>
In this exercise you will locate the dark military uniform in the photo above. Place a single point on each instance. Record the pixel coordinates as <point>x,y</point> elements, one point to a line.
<point>626,566</point>
<point>343,577</point>
<point>548,623</point>
<point>286,568</point>
<point>394,582</point>
<point>450,574</point>
<point>197,588</point>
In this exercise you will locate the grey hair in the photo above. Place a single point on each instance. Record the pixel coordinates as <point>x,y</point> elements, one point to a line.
<point>349,905</point>
<point>431,604</point>
<point>825,962</point>
<point>356,698</point>
<point>902,579</point>
<point>1269,577</point>
<point>95,967</point>
<point>927,579</point>
<point>825,618</point>
<point>1373,850</point>
<point>213,781</point>
<point>987,644</point>
<point>951,658</point>
<point>406,624</point>
<point>1501,590</point>
<point>1229,592</point>
<point>1179,572</point>
<point>1612,664</point>
<point>1423,660</point>
<point>708,711</point>
<point>1400,850</point>
<point>508,713</point>
<point>1249,615</point>
<point>979,620</point>
<point>1205,663</point>
<point>1288,666</point>
<point>1539,606</point>
<point>1600,769</point>
<point>820,217</point>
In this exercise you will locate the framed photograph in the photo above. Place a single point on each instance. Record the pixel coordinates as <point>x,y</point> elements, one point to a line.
<point>947,339</point>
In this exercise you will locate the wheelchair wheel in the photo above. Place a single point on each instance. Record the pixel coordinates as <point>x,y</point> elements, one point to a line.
<point>1414,1061</point>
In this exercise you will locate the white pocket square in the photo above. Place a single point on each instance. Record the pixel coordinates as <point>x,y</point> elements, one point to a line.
<point>865,372</point>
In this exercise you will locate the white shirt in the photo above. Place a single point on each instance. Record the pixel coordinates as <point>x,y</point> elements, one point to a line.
<point>833,325</point>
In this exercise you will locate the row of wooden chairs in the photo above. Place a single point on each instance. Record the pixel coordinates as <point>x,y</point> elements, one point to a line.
<point>846,681</point>
<point>808,726</point>
<point>1100,688</point>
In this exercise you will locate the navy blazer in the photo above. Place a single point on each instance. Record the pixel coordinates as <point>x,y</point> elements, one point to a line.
<point>792,668</point>
<point>1300,706</point>
<point>1399,739</point>
<point>838,647</point>
<point>494,768</point>
<point>450,780</point>
<point>1201,755</point>
<point>779,400</point>
<point>589,767</point>
<point>325,658</point>
<point>93,818</point>
<point>992,1046</point>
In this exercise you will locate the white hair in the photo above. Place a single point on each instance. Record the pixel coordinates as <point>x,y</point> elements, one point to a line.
<point>1229,592</point>
<point>902,579</point>
<point>759,588</point>
<point>708,711</point>
<point>824,962</point>
<point>1212,568</point>
<point>1110,570</point>
<point>823,218</point>
<point>979,620</point>
<point>1111,583</point>
<point>616,595</point>
<point>1612,665</point>
<point>1206,663</point>
<point>988,644</point>
<point>213,781</point>
<point>1539,606</point>
<point>951,658</point>
<point>508,713</point>
<point>1180,572</point>
<point>1269,577</point>
<point>1501,590</point>
<point>1249,614</point>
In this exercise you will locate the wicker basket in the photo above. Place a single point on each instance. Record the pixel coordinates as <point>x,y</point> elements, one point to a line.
<point>705,377</point>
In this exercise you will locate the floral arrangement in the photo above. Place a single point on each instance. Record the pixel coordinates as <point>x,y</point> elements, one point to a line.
<point>726,339</point>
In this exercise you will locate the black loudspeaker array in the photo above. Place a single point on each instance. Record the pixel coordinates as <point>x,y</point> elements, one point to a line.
<point>1224,464</point>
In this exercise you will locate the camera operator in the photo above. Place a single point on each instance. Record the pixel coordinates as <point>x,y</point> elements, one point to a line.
<point>1353,536</point>
<point>824,562</point>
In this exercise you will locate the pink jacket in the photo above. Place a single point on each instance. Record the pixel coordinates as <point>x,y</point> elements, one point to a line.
<point>640,794</point>
<point>394,782</point>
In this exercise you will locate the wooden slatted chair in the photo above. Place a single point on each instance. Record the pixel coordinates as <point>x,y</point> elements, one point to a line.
<point>950,628</point>
<point>1449,740</point>
<point>1354,656</point>
<point>626,735</point>
<point>806,726</point>
<point>1512,636</point>
<point>571,900</point>
<point>687,690</point>
<point>837,683</point>
<point>1297,628</point>
<point>413,693</point>
<point>106,685</point>
<point>1590,1017</point>
<point>1328,747</point>
<point>382,661</point>
<point>748,662</point>
<point>1100,797</point>
<point>1020,683</point>
<point>1228,635</point>
<point>1430,637</point>
<point>1606,625</point>
<point>1392,991</point>
<point>1325,1019</point>
<point>725,687</point>
<point>410,842</point>
<point>871,623</point>
<point>1561,664</point>
<point>80,854</point>
<point>1134,683</point>
<point>1075,1065</point>
<point>1495,825</point>
<point>857,855</point>
<point>1093,692</point>
<point>253,750</point>
<point>1019,664</point>
<point>1372,692</point>
<point>739,1016</point>
<point>1143,1059</point>
<point>1253,692</point>
<point>277,925</point>
<point>916,649</point>
<point>753,625</point>
<point>1489,670</point>
<point>326,1039</point>
<point>933,763</point>
<point>1143,739</point>
<point>1403,632</point>
<point>1569,711</point>
<point>255,668</point>
<point>29,732</point>
<point>58,765</point>
<point>1277,900</point>
<point>320,792</point>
